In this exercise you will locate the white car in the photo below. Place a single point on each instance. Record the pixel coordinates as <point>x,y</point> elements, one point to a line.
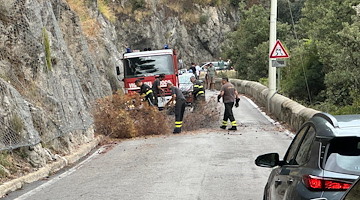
<point>185,85</point>
<point>217,65</point>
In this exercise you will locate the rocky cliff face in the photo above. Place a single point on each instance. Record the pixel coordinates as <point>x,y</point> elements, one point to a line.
<point>196,32</point>
<point>54,63</point>
<point>50,75</point>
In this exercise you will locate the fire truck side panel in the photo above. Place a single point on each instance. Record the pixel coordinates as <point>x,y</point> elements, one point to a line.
<point>147,66</point>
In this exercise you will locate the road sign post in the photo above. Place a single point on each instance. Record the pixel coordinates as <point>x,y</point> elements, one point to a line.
<point>278,63</point>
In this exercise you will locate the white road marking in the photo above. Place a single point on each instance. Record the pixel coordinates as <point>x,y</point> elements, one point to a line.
<point>263,113</point>
<point>61,176</point>
<point>275,123</point>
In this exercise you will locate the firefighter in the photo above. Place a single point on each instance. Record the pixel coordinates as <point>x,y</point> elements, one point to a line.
<point>230,96</point>
<point>198,92</point>
<point>156,87</point>
<point>146,92</point>
<point>180,104</point>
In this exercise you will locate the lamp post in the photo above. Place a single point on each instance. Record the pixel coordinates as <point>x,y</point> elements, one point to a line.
<point>272,41</point>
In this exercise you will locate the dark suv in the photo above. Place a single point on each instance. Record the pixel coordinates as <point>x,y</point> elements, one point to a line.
<point>322,161</point>
<point>353,193</point>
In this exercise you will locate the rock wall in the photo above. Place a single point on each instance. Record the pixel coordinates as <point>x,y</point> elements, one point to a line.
<point>50,76</point>
<point>196,32</point>
<point>56,61</point>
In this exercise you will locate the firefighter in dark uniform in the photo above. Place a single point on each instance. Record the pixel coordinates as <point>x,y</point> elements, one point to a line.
<point>198,93</point>
<point>146,92</point>
<point>156,87</point>
<point>180,104</point>
<point>230,96</point>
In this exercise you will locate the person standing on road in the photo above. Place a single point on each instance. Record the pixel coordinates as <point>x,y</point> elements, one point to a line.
<point>180,104</point>
<point>146,92</point>
<point>230,96</point>
<point>193,68</point>
<point>198,93</point>
<point>206,76</point>
<point>198,69</point>
<point>156,87</point>
<point>211,76</point>
<point>221,64</point>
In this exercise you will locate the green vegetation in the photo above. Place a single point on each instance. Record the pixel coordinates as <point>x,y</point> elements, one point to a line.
<point>138,4</point>
<point>249,44</point>
<point>323,70</point>
<point>47,49</point>
<point>227,73</point>
<point>234,3</point>
<point>203,19</point>
<point>16,123</point>
<point>4,163</point>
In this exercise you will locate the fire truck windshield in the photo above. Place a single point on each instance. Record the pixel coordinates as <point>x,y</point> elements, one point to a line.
<point>148,66</point>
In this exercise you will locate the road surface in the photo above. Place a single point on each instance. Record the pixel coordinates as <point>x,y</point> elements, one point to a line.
<point>204,165</point>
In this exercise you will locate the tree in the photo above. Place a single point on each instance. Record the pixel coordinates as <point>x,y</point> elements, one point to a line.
<point>248,46</point>
<point>324,66</point>
<point>334,27</point>
<point>285,15</point>
<point>304,75</point>
<point>242,45</point>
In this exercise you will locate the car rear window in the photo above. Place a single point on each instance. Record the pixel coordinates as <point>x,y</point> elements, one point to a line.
<point>344,156</point>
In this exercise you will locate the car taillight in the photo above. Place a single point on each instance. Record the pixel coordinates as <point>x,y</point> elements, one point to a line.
<point>319,183</point>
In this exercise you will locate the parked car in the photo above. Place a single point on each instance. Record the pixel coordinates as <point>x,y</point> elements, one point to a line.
<point>182,71</point>
<point>353,193</point>
<point>322,162</point>
<point>186,86</point>
<point>217,65</point>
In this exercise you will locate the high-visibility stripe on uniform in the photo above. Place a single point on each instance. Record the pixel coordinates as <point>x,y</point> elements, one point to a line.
<point>201,89</point>
<point>224,123</point>
<point>200,92</point>
<point>148,92</point>
<point>233,123</point>
<point>178,124</point>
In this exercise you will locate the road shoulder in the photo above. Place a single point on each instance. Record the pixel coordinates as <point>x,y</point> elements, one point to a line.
<point>50,168</point>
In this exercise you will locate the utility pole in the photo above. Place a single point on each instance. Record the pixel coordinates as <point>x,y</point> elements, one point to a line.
<point>272,40</point>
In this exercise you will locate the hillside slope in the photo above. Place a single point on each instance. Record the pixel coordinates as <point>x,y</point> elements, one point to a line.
<point>57,57</point>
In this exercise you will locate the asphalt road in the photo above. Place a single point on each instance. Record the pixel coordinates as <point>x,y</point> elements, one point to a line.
<point>203,165</point>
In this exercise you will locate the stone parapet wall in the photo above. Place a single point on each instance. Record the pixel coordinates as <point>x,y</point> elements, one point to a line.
<point>281,107</point>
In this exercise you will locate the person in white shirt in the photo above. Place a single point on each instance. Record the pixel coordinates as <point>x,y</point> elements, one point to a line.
<point>198,68</point>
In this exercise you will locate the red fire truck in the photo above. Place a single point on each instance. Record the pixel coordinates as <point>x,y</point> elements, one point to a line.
<point>147,65</point>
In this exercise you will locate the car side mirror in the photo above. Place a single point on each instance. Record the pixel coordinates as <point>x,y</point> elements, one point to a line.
<point>268,160</point>
<point>118,72</point>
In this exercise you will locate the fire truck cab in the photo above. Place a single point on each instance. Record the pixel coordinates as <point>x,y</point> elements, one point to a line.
<point>147,65</point>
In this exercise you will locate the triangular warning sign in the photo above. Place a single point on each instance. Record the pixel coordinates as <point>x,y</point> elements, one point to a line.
<point>279,51</point>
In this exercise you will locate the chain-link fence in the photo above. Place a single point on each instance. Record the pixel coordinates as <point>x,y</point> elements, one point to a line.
<point>23,60</point>
<point>11,139</point>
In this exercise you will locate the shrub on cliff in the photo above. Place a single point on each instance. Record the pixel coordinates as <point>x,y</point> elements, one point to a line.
<point>124,116</point>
